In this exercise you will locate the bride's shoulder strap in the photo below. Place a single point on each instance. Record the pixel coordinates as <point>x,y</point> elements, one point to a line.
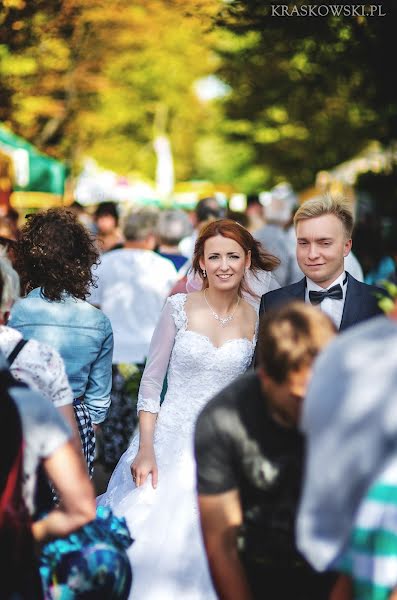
<point>177,304</point>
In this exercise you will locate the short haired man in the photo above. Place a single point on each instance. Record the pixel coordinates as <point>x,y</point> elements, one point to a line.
<point>324,229</point>
<point>249,465</point>
<point>172,227</point>
<point>133,284</point>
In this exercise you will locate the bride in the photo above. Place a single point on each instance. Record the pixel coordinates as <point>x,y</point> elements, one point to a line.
<point>202,342</point>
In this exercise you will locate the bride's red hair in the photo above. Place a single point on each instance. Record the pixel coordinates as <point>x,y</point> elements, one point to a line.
<point>260,259</point>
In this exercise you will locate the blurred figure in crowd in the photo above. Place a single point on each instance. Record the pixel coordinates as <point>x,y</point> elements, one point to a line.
<point>272,236</point>
<point>54,257</point>
<point>239,217</point>
<point>172,227</point>
<point>12,218</point>
<point>207,209</point>
<point>384,259</point>
<point>249,465</point>
<point>254,213</point>
<point>353,530</point>
<point>324,228</point>
<point>108,233</point>
<point>36,445</point>
<point>7,238</point>
<point>133,283</point>
<point>33,433</point>
<point>83,216</point>
<point>36,364</point>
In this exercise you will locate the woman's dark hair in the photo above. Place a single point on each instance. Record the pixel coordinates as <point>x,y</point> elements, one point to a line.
<point>105,209</point>
<point>260,259</point>
<point>55,252</point>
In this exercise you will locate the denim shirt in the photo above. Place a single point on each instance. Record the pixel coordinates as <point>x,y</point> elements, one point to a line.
<point>83,336</point>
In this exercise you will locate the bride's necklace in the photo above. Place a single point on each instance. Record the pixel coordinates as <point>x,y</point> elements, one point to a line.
<point>223,321</point>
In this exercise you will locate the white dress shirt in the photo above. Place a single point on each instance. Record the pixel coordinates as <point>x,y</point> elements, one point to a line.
<point>133,285</point>
<point>331,306</point>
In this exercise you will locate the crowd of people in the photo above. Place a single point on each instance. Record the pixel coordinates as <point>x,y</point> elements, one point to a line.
<point>232,374</point>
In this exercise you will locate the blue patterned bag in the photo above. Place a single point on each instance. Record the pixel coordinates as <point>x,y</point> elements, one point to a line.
<point>91,563</point>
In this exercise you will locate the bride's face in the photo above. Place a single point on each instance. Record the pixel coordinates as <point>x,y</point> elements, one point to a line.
<point>225,262</point>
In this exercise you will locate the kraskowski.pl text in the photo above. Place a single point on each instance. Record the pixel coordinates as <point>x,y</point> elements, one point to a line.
<point>325,10</point>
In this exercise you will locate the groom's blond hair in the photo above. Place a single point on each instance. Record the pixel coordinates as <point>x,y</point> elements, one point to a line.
<point>329,204</point>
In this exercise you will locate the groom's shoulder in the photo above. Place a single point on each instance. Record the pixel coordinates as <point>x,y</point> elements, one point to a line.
<point>371,294</point>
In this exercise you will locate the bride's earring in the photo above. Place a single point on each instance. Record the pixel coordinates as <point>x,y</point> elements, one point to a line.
<point>204,273</point>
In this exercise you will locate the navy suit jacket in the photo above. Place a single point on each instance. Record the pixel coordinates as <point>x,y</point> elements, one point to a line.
<point>361,302</point>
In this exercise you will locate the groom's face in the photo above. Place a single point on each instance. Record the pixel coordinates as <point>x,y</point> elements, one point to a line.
<point>322,245</point>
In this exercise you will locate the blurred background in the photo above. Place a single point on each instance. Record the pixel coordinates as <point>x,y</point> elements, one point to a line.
<point>164,102</point>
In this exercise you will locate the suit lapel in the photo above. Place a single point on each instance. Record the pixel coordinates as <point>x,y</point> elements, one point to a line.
<point>351,309</point>
<point>298,289</point>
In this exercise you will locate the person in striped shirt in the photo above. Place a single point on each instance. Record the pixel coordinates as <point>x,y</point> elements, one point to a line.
<point>370,562</point>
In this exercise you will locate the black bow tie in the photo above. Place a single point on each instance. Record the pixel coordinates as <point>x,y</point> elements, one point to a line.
<point>317,297</point>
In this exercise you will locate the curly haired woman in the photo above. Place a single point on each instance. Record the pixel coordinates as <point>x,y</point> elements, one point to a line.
<point>54,256</point>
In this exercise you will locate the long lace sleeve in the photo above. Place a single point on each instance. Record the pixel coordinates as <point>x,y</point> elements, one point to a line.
<point>157,362</point>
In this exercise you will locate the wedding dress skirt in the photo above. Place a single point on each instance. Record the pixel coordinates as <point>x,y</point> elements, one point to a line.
<point>168,556</point>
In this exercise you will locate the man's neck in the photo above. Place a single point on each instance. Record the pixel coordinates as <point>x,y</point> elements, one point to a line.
<point>326,284</point>
<point>169,249</point>
<point>137,245</point>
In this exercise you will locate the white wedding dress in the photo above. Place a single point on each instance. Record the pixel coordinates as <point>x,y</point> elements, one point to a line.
<point>168,556</point>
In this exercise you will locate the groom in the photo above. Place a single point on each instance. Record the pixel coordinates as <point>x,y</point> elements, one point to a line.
<point>324,229</point>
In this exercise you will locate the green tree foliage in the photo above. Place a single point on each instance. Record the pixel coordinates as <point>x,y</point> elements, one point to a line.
<point>307,92</point>
<point>101,78</point>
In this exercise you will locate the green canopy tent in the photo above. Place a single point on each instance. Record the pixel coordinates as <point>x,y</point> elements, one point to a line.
<point>33,171</point>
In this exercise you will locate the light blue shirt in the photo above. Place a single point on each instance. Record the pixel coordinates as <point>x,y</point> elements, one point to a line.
<point>83,336</point>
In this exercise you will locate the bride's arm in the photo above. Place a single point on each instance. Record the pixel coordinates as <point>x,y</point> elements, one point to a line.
<point>149,395</point>
<point>144,463</point>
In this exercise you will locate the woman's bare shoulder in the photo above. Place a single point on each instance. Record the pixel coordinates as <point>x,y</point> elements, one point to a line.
<point>250,313</point>
<point>194,298</point>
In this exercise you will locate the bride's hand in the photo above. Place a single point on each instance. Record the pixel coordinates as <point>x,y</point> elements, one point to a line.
<point>144,464</point>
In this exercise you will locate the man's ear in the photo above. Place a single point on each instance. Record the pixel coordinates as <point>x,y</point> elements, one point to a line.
<point>151,241</point>
<point>263,376</point>
<point>348,247</point>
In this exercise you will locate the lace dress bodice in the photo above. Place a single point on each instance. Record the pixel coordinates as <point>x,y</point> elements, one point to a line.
<point>197,370</point>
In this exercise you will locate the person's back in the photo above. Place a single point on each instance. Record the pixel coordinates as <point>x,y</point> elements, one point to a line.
<point>370,558</point>
<point>55,310</point>
<point>76,329</point>
<point>20,572</point>
<point>133,284</point>
<point>54,257</point>
<point>84,554</point>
